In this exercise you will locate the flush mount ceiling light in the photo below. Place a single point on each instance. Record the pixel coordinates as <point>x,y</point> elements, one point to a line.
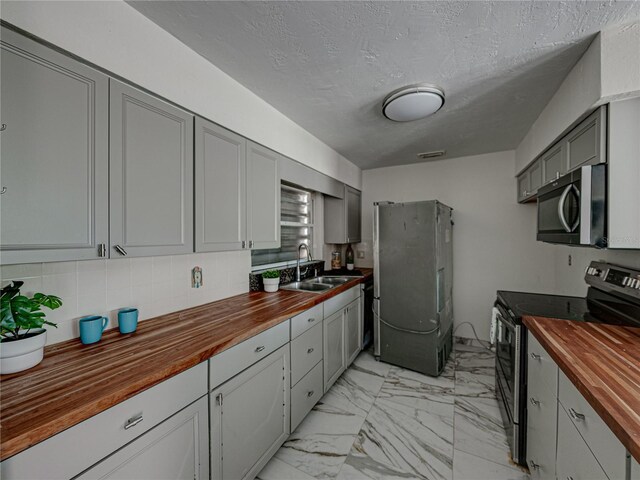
<point>413,102</point>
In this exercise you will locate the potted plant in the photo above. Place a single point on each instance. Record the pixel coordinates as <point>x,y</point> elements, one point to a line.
<point>22,337</point>
<point>271,280</point>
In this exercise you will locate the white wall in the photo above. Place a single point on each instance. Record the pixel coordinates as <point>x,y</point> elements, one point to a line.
<point>155,285</point>
<point>494,244</point>
<point>118,38</point>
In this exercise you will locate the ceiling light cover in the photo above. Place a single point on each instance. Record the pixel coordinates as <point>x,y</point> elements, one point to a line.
<point>413,102</point>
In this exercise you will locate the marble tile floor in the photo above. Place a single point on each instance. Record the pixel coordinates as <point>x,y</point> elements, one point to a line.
<point>383,422</point>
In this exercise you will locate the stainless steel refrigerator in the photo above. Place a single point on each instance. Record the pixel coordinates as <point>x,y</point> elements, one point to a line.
<point>413,282</point>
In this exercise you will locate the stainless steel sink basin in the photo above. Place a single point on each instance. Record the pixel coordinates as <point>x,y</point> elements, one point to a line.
<point>307,286</point>
<point>329,280</point>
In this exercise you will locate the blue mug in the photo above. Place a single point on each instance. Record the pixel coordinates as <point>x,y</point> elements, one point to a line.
<point>128,320</point>
<point>91,328</point>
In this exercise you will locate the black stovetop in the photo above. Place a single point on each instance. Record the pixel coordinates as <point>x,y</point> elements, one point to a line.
<point>598,307</point>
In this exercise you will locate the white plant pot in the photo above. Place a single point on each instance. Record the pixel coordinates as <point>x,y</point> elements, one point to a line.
<point>271,284</point>
<point>19,355</point>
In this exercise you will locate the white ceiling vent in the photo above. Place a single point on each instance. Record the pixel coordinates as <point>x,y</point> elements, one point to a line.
<point>431,155</point>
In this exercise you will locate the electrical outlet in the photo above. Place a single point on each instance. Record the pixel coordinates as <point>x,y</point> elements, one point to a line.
<point>360,254</point>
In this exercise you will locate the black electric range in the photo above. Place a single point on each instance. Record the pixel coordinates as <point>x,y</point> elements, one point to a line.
<point>613,297</point>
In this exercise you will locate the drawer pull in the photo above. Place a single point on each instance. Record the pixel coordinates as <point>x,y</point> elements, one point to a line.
<point>575,415</point>
<point>132,422</point>
<point>259,349</point>
<point>310,393</point>
<point>311,320</point>
<point>533,465</point>
<point>310,351</point>
<point>534,401</point>
<point>535,356</point>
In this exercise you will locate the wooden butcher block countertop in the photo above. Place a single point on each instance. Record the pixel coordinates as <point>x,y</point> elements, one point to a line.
<point>76,381</point>
<point>603,362</point>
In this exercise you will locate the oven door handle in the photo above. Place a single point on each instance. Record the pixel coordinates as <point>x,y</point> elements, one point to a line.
<point>563,199</point>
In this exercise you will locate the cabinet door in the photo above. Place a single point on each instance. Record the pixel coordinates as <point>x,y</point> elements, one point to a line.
<point>352,198</point>
<point>353,331</point>
<point>586,143</point>
<point>151,175</point>
<point>635,469</point>
<point>176,449</point>
<point>334,348</point>
<point>574,459</point>
<point>523,186</point>
<point>54,155</point>
<point>535,176</point>
<point>554,163</point>
<point>250,418</point>
<point>263,197</point>
<point>220,171</point>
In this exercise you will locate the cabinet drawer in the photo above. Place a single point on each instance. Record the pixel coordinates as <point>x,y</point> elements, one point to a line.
<point>542,370</point>
<point>338,302</point>
<point>231,362</point>
<point>103,434</point>
<point>306,351</point>
<point>607,449</point>
<point>575,460</point>
<point>305,320</point>
<point>305,395</point>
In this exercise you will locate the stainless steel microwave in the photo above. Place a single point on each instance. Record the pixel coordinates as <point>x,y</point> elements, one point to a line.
<point>572,210</point>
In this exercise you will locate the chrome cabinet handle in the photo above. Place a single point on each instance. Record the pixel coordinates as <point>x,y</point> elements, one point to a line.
<point>132,422</point>
<point>3,127</point>
<point>309,351</point>
<point>534,465</point>
<point>311,320</point>
<point>575,415</point>
<point>4,189</point>
<point>534,401</point>
<point>244,244</point>
<point>259,349</point>
<point>120,250</point>
<point>250,243</point>
<point>535,356</point>
<point>310,393</point>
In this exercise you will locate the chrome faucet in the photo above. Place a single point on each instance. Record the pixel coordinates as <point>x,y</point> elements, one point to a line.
<point>298,261</point>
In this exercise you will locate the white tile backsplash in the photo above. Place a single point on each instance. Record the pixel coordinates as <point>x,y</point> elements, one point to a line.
<point>154,285</point>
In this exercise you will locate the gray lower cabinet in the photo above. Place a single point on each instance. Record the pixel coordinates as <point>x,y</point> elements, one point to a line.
<point>263,197</point>
<point>177,449</point>
<point>54,149</point>
<point>342,217</point>
<point>635,469</point>
<point>151,175</point>
<point>305,394</point>
<point>542,411</point>
<point>220,182</point>
<point>250,417</point>
<point>574,459</point>
<point>353,331</point>
<point>586,143</point>
<point>334,348</point>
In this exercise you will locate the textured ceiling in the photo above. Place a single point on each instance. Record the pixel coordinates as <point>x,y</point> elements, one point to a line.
<point>329,65</point>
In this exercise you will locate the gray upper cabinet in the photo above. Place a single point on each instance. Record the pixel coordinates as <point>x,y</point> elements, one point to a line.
<point>535,176</point>
<point>263,197</point>
<point>342,217</point>
<point>586,143</point>
<point>220,182</point>
<point>523,186</point>
<point>151,175</point>
<point>554,163</point>
<point>54,155</point>
<point>529,181</point>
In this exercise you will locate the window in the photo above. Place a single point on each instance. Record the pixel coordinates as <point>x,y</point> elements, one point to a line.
<point>296,227</point>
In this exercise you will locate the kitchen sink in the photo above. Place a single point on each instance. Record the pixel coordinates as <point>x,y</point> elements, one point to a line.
<point>307,286</point>
<point>329,280</point>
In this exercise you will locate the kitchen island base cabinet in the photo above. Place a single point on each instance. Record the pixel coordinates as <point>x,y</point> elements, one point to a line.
<point>177,449</point>
<point>250,418</point>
